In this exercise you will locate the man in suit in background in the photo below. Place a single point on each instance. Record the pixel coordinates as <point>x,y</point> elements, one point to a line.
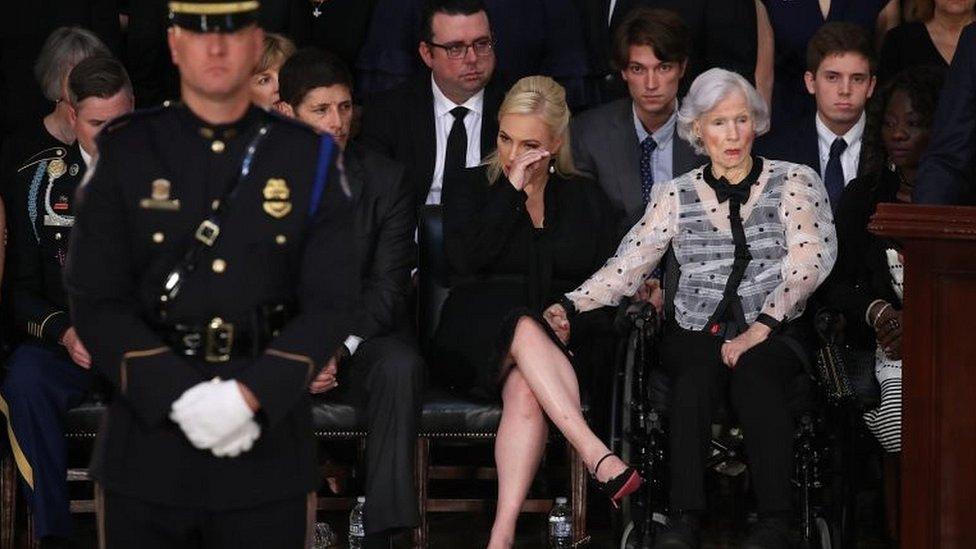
<point>381,367</point>
<point>948,171</point>
<point>840,76</point>
<point>447,120</point>
<point>723,34</point>
<point>631,143</point>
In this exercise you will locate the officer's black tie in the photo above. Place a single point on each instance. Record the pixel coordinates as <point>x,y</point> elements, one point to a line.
<point>457,146</point>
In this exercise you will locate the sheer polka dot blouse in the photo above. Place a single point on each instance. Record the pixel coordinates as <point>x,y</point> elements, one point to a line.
<point>789,231</point>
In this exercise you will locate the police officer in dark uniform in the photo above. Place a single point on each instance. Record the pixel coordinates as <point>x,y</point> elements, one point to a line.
<point>48,373</point>
<point>211,276</point>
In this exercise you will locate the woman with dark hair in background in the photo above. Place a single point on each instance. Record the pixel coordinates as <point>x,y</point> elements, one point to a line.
<point>931,41</point>
<point>866,282</point>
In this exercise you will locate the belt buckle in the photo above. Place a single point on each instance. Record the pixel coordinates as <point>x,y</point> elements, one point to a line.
<point>207,232</point>
<point>220,341</point>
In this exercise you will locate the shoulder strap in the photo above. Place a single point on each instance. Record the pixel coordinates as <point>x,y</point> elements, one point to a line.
<point>326,146</point>
<point>207,232</point>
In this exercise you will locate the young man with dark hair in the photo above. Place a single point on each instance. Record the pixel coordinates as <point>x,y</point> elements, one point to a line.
<point>48,373</point>
<point>631,143</point>
<point>445,120</point>
<point>840,76</point>
<point>379,363</point>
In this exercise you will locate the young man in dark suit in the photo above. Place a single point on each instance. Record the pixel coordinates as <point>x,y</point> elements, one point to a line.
<point>840,76</point>
<point>445,120</point>
<point>947,174</point>
<point>631,143</point>
<point>380,363</point>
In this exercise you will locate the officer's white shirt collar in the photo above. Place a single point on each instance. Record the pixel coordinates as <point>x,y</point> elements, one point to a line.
<point>443,105</point>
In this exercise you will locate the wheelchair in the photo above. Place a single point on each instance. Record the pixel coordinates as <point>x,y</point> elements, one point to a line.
<point>823,500</point>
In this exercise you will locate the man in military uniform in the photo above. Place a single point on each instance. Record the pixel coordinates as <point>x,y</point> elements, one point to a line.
<point>210,275</point>
<point>48,373</point>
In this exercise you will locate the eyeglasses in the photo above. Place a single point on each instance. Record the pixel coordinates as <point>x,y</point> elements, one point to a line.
<point>482,48</point>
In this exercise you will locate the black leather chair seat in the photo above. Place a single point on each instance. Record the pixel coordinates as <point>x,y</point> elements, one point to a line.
<point>85,420</point>
<point>444,413</point>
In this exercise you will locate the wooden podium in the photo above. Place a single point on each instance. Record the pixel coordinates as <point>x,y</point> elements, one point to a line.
<point>938,491</point>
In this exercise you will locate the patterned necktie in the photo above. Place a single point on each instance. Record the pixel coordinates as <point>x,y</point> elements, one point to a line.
<point>457,145</point>
<point>647,167</point>
<point>834,175</point>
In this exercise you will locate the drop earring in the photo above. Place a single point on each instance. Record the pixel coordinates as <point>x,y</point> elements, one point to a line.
<point>552,166</point>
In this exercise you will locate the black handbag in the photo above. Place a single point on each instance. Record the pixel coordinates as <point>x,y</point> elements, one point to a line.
<point>846,375</point>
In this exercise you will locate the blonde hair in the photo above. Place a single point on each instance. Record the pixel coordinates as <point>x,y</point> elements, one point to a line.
<point>277,49</point>
<point>539,95</point>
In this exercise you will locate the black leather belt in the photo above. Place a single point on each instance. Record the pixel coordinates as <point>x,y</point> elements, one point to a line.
<point>217,340</point>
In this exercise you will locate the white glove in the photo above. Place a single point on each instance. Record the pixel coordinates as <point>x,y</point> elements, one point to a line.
<point>209,412</point>
<point>239,441</point>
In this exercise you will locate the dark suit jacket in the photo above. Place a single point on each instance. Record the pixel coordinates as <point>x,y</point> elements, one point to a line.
<point>399,123</point>
<point>948,171</point>
<point>385,219</point>
<point>861,273</point>
<point>605,148</point>
<point>797,144</point>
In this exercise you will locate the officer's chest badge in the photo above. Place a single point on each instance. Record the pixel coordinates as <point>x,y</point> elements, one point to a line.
<point>56,169</point>
<point>159,197</point>
<point>277,196</point>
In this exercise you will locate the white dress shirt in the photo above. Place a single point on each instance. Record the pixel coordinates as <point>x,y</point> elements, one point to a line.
<point>851,155</point>
<point>443,120</point>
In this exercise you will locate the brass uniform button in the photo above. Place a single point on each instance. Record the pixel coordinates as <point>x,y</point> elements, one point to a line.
<point>57,236</point>
<point>281,239</point>
<point>219,265</point>
<point>217,146</point>
<point>215,204</point>
<point>158,237</point>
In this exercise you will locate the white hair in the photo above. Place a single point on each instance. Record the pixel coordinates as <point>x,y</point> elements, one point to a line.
<point>708,90</point>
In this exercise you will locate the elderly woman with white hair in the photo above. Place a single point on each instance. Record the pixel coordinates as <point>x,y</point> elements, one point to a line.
<point>753,238</point>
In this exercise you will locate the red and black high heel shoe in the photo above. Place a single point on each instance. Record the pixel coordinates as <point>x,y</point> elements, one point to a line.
<point>619,486</point>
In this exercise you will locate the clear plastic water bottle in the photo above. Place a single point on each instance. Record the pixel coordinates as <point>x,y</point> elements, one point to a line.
<point>560,525</point>
<point>325,537</point>
<point>357,531</point>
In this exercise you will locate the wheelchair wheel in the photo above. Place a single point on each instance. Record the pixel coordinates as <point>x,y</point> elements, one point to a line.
<point>634,538</point>
<point>823,539</point>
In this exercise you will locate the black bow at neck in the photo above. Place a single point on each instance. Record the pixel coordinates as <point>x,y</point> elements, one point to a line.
<point>738,192</point>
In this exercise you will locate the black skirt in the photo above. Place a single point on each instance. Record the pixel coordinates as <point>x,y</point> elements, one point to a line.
<point>474,337</point>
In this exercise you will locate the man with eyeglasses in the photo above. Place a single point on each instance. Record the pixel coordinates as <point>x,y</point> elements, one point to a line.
<point>445,121</point>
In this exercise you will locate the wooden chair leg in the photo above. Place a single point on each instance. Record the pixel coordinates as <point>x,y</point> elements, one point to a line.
<point>420,475</point>
<point>8,502</point>
<point>577,482</point>
<point>30,541</point>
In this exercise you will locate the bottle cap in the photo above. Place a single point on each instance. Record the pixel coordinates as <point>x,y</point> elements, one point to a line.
<point>561,501</point>
<point>362,499</point>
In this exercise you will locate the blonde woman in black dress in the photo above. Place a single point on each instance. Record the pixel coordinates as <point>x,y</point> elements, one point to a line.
<point>519,232</point>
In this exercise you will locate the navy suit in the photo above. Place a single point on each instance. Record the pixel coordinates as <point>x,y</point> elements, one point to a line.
<point>796,143</point>
<point>946,175</point>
